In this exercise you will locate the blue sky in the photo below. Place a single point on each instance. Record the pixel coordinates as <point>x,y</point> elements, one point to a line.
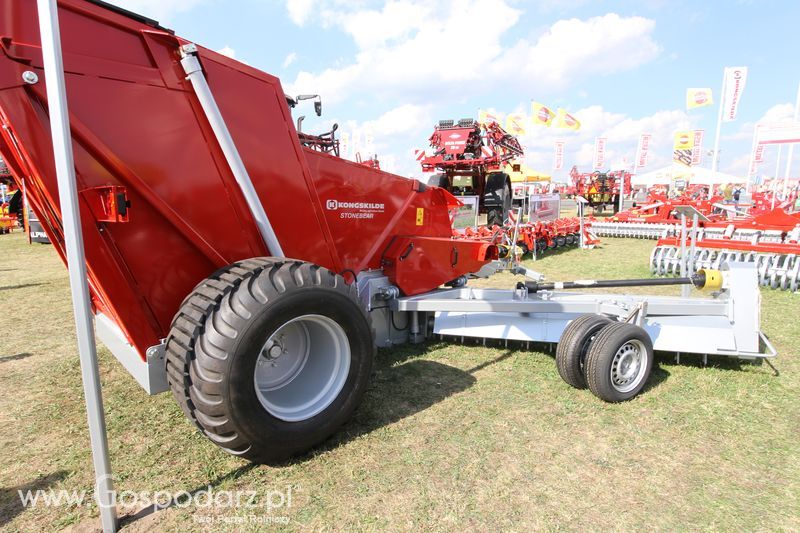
<point>395,68</point>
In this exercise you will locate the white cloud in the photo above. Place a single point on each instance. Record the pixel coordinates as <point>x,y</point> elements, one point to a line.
<point>419,51</point>
<point>290,58</point>
<point>230,52</point>
<point>227,51</point>
<point>396,134</point>
<point>160,10</point>
<point>299,10</point>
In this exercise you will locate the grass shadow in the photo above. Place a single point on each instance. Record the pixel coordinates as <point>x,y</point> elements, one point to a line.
<point>19,286</point>
<point>15,357</point>
<point>11,502</point>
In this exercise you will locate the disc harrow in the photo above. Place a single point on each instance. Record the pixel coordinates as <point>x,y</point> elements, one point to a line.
<point>536,237</point>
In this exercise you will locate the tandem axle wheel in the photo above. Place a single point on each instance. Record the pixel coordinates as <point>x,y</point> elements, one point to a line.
<point>614,359</point>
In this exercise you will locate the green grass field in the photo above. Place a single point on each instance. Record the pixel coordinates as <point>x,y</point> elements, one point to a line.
<point>448,437</point>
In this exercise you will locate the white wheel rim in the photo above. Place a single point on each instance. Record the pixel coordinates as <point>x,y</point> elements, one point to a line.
<point>302,367</point>
<point>629,366</point>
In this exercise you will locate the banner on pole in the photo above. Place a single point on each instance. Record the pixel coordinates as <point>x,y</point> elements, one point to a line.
<point>369,142</point>
<point>565,120</point>
<point>344,145</point>
<point>698,98</point>
<point>356,142</point>
<point>541,114</point>
<point>599,153</point>
<point>515,124</point>
<point>758,157</point>
<point>697,149</point>
<point>735,78</point>
<point>485,117</point>
<point>558,162</point>
<point>682,148</point>
<point>642,149</point>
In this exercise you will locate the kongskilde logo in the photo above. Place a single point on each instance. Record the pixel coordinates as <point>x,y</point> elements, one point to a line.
<point>355,210</point>
<point>333,205</point>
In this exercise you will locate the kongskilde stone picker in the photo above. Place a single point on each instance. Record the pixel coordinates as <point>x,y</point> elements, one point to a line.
<point>261,310</point>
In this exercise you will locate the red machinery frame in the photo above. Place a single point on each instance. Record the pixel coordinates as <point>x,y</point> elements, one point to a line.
<point>601,188</point>
<point>143,146</point>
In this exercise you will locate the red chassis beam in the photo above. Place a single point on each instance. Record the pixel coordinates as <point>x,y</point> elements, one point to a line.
<point>160,208</point>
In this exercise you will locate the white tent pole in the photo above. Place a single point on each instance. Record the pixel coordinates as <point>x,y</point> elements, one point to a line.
<point>790,154</point>
<point>775,179</point>
<point>752,163</point>
<point>715,161</point>
<point>76,263</point>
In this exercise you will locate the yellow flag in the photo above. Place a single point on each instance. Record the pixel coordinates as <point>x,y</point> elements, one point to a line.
<point>565,120</point>
<point>698,98</point>
<point>484,117</point>
<point>682,148</point>
<point>515,124</point>
<point>541,114</point>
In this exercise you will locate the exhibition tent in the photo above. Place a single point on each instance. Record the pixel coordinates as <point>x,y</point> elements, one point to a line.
<point>698,175</point>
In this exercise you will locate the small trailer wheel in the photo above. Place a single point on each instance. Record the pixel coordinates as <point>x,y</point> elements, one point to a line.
<point>573,345</point>
<point>619,362</point>
<point>269,356</point>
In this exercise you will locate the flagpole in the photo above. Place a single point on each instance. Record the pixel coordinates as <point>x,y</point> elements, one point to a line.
<point>791,146</point>
<point>775,178</point>
<point>715,161</point>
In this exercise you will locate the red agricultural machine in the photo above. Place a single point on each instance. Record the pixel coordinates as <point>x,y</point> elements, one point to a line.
<point>534,237</point>
<point>262,314</point>
<point>601,189</point>
<point>468,159</point>
<point>763,236</point>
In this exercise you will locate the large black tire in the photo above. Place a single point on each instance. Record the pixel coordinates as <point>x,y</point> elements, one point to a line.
<point>573,345</point>
<point>615,207</point>
<point>605,368</point>
<point>217,339</point>
<point>15,206</point>
<point>497,198</point>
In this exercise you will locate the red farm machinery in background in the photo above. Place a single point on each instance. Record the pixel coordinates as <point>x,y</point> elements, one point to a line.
<point>601,189</point>
<point>11,204</point>
<point>754,233</point>
<point>468,159</point>
<point>262,315</point>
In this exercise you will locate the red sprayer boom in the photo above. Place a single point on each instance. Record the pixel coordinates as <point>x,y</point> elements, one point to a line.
<point>469,158</point>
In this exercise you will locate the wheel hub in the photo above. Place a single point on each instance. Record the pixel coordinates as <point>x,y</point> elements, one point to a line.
<point>302,367</point>
<point>627,368</point>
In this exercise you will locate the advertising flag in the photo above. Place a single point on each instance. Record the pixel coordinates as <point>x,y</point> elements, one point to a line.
<point>735,78</point>
<point>541,114</point>
<point>369,142</point>
<point>558,162</point>
<point>682,149</point>
<point>599,153</point>
<point>515,124</point>
<point>698,98</point>
<point>642,149</point>
<point>565,120</point>
<point>356,142</point>
<point>484,117</point>
<point>697,148</point>
<point>759,157</point>
<point>344,144</point>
